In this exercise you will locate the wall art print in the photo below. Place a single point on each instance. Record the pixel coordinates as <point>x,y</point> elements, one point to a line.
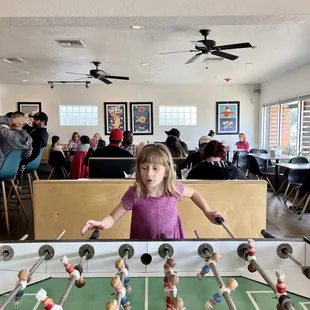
<point>227,117</point>
<point>141,118</point>
<point>115,114</point>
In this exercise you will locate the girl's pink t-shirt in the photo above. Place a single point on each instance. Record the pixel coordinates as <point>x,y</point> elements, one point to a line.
<point>154,217</point>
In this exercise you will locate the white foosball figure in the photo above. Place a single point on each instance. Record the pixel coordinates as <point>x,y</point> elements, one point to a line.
<point>215,257</point>
<point>79,281</point>
<point>119,288</point>
<point>23,277</point>
<point>123,268</point>
<point>231,285</point>
<point>47,302</point>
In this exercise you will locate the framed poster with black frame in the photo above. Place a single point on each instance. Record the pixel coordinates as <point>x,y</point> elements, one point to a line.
<point>141,118</point>
<point>29,107</point>
<point>115,115</point>
<point>227,117</point>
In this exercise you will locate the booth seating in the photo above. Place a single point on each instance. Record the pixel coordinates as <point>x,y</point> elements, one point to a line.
<point>68,204</point>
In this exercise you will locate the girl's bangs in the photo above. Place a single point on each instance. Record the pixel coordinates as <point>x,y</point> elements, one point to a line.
<point>152,155</point>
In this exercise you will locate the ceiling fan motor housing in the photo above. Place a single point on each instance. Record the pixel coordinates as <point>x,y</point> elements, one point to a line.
<point>96,73</point>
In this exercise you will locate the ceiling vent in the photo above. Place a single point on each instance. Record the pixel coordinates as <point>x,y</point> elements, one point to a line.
<point>11,60</point>
<point>213,59</point>
<point>71,43</point>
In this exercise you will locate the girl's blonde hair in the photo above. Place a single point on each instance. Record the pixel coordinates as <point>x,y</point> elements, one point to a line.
<point>157,154</point>
<point>243,136</point>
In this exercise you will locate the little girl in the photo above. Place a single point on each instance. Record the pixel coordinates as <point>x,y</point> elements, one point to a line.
<point>153,199</point>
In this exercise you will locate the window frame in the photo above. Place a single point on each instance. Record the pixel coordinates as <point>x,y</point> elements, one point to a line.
<point>95,121</point>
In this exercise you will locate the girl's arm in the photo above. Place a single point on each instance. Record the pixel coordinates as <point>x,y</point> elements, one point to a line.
<point>108,221</point>
<point>200,202</point>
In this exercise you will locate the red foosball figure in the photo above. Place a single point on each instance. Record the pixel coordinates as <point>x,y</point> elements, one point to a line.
<point>251,250</point>
<point>74,271</point>
<point>281,286</point>
<point>173,281</point>
<point>168,270</point>
<point>47,302</point>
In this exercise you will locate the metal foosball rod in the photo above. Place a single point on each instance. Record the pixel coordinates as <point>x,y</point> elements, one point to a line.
<point>74,277</point>
<point>219,280</point>
<point>285,251</point>
<point>46,252</point>
<point>220,221</point>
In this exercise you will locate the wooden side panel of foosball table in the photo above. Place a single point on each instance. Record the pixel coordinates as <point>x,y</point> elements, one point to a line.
<point>68,204</point>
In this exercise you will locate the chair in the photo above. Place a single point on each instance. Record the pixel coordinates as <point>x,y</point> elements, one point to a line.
<point>31,169</point>
<point>256,170</point>
<point>295,160</point>
<point>7,173</point>
<point>78,169</point>
<point>58,161</point>
<point>240,160</point>
<point>261,162</point>
<point>306,197</point>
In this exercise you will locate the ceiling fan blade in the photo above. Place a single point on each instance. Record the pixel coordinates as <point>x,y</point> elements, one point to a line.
<point>77,73</point>
<point>225,55</point>
<point>85,77</point>
<point>199,44</point>
<point>104,80</point>
<point>117,77</point>
<point>189,51</point>
<point>193,58</point>
<point>234,46</point>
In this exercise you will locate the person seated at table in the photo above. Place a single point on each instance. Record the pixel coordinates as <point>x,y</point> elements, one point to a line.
<point>61,161</point>
<point>211,134</point>
<point>127,143</point>
<point>100,142</point>
<point>243,144</point>
<point>214,166</point>
<point>13,137</point>
<point>85,144</point>
<point>74,142</point>
<point>112,150</point>
<point>174,146</point>
<point>56,147</point>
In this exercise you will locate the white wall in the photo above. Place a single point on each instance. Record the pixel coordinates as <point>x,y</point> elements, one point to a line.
<point>292,84</point>
<point>203,96</point>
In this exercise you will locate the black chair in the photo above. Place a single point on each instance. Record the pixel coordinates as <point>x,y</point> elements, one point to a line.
<point>240,160</point>
<point>305,186</point>
<point>295,160</point>
<point>58,163</point>
<point>261,162</point>
<point>110,167</point>
<point>254,169</point>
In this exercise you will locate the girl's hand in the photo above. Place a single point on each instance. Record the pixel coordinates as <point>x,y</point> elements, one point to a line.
<point>92,225</point>
<point>213,215</point>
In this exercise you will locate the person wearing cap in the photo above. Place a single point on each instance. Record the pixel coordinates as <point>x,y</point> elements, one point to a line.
<point>176,133</point>
<point>112,150</point>
<point>194,159</point>
<point>39,135</point>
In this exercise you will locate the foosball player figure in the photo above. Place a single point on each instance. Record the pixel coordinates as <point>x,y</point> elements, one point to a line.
<point>173,281</point>
<point>168,270</point>
<point>281,291</point>
<point>177,304</point>
<point>118,287</point>
<point>111,305</point>
<point>122,267</point>
<point>230,286</point>
<point>214,258</point>
<point>251,256</point>
<point>23,280</point>
<point>74,271</point>
<point>47,302</point>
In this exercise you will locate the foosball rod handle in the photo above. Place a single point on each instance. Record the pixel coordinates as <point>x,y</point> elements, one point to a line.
<point>95,235</point>
<point>266,234</point>
<point>220,221</point>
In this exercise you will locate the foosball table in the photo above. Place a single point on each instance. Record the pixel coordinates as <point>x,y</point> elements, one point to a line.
<point>241,274</point>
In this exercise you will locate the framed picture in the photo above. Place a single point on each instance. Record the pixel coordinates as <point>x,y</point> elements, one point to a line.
<point>29,107</point>
<point>115,114</point>
<point>227,117</point>
<point>141,118</point>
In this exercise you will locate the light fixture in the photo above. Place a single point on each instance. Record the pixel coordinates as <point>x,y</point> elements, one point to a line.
<point>22,72</point>
<point>144,64</point>
<point>24,81</point>
<point>136,27</point>
<point>52,83</point>
<point>249,63</point>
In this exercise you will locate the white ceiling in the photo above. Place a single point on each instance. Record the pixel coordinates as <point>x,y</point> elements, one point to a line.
<point>280,30</point>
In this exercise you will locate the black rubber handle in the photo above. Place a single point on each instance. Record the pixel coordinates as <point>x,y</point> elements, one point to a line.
<point>95,234</point>
<point>266,234</point>
<point>219,220</point>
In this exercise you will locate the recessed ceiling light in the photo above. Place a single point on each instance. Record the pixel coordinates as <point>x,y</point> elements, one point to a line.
<point>22,72</point>
<point>24,81</point>
<point>249,63</point>
<point>137,27</point>
<point>144,64</point>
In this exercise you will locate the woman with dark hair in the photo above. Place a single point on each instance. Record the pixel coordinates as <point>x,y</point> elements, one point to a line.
<point>211,134</point>
<point>214,166</point>
<point>85,144</point>
<point>174,146</point>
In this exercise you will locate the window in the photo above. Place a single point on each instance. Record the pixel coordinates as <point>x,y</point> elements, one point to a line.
<point>173,115</point>
<point>270,127</point>
<point>305,128</point>
<point>80,115</point>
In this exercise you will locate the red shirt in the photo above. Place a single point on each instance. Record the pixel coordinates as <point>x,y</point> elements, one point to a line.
<point>243,146</point>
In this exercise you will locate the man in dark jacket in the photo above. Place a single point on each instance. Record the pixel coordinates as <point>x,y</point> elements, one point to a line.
<point>112,150</point>
<point>214,167</point>
<point>13,137</point>
<point>176,133</point>
<point>39,135</point>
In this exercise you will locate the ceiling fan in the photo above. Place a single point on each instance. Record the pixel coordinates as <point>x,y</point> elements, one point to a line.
<point>204,47</point>
<point>100,74</point>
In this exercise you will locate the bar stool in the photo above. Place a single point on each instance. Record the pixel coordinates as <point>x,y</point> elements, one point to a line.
<point>7,173</point>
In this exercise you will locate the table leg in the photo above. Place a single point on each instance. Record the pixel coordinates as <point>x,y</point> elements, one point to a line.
<point>277,172</point>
